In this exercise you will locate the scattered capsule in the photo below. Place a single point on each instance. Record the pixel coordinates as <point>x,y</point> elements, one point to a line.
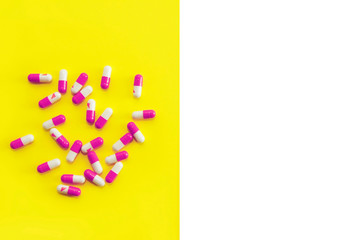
<point>94,178</point>
<point>134,130</point>
<point>74,151</point>
<point>80,82</point>
<point>71,178</point>
<point>59,138</point>
<point>68,190</point>
<point>62,84</point>
<point>138,82</point>
<point>54,122</point>
<point>80,96</point>
<point>124,140</point>
<point>49,100</point>
<point>90,112</point>
<point>39,78</point>
<point>146,114</point>
<point>25,140</point>
<point>105,80</point>
<point>47,166</point>
<point>110,177</point>
<point>116,157</point>
<point>97,142</point>
<point>100,122</point>
<point>94,161</point>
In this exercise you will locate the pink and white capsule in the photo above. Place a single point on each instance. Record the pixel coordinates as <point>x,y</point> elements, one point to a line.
<point>39,78</point>
<point>90,111</point>
<point>80,82</point>
<point>117,157</point>
<point>102,120</point>
<point>97,142</point>
<point>68,190</point>
<point>49,100</point>
<point>59,138</point>
<point>110,177</point>
<point>80,96</point>
<point>71,178</point>
<point>134,130</point>
<point>124,140</point>
<point>74,151</point>
<point>25,140</point>
<point>138,83</point>
<point>94,178</point>
<point>105,79</point>
<point>54,122</point>
<point>47,166</point>
<point>94,161</point>
<point>146,114</point>
<point>62,84</point>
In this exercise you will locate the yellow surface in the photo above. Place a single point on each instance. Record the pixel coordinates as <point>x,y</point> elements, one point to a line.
<point>83,36</point>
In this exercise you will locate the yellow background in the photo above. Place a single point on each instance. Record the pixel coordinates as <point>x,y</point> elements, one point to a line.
<point>133,37</point>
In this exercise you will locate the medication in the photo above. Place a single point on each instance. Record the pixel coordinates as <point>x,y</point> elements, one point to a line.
<point>39,78</point>
<point>54,122</point>
<point>138,82</point>
<point>134,130</point>
<point>105,79</point>
<point>116,157</point>
<point>62,84</point>
<point>59,138</point>
<point>94,161</point>
<point>80,82</point>
<point>110,177</point>
<point>74,151</point>
<point>124,140</point>
<point>94,178</point>
<point>23,141</point>
<point>146,114</point>
<point>68,190</point>
<point>100,122</point>
<point>49,100</point>
<point>71,178</point>
<point>80,96</point>
<point>90,111</point>
<point>97,142</point>
<point>47,166</point>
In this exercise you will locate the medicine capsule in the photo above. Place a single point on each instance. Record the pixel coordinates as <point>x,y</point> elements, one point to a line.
<point>116,157</point>
<point>94,178</point>
<point>71,178</point>
<point>54,122</point>
<point>25,140</point>
<point>134,130</point>
<point>74,151</point>
<point>146,114</point>
<point>80,82</point>
<point>105,79</point>
<point>62,84</point>
<point>94,161</point>
<point>47,166</point>
<point>49,100</point>
<point>138,82</point>
<point>124,140</point>
<point>100,122</point>
<point>59,138</point>
<point>110,177</point>
<point>90,111</point>
<point>80,96</point>
<point>68,190</point>
<point>97,142</point>
<point>39,78</point>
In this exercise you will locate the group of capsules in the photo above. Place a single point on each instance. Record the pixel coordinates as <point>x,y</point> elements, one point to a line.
<point>80,93</point>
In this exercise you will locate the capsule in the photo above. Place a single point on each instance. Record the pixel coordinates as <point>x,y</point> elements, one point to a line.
<point>80,82</point>
<point>90,111</point>
<point>138,82</point>
<point>146,114</point>
<point>105,79</point>
<point>100,122</point>
<point>94,161</point>
<point>59,138</point>
<point>47,166</point>
<point>39,78</point>
<point>23,141</point>
<point>116,157</point>
<point>97,142</point>
<point>110,177</point>
<point>80,96</point>
<point>54,122</point>
<point>94,178</point>
<point>71,178</point>
<point>74,151</point>
<point>124,140</point>
<point>68,190</point>
<point>49,100</point>
<point>134,130</point>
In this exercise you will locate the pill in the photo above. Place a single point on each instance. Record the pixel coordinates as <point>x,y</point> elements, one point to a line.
<point>54,122</point>
<point>100,122</point>
<point>68,190</point>
<point>47,101</point>
<point>97,142</point>
<point>134,130</point>
<point>94,178</point>
<point>74,151</point>
<point>39,78</point>
<point>80,96</point>
<point>105,79</point>
<point>80,82</point>
<point>146,114</point>
<point>124,140</point>
<point>94,161</point>
<point>110,177</point>
<point>116,157</point>
<point>71,178</point>
<point>62,84</point>
<point>25,140</point>
<point>138,82</point>
<point>47,166</point>
<point>59,138</point>
<point>90,111</point>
